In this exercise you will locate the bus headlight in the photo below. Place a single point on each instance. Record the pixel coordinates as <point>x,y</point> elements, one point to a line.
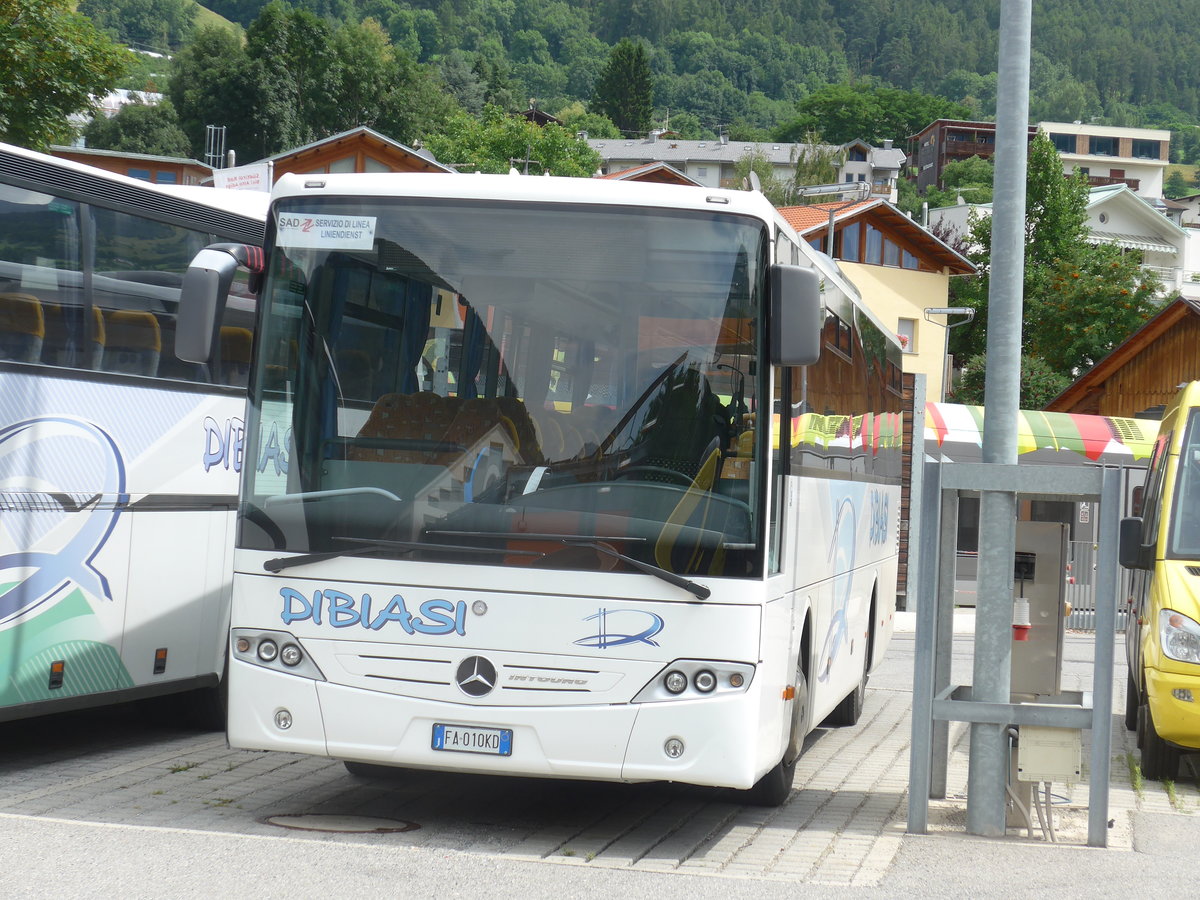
<point>290,655</point>
<point>693,679</point>
<point>1179,636</point>
<point>275,650</point>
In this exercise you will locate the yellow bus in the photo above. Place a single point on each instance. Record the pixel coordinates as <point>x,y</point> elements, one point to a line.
<point>1162,638</point>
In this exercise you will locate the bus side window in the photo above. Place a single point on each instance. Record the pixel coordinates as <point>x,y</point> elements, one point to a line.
<point>22,327</point>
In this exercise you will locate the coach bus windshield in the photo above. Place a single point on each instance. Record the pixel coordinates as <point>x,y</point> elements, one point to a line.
<point>510,384</point>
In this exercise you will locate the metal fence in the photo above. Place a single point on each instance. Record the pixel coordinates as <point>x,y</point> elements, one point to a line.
<point>1081,587</point>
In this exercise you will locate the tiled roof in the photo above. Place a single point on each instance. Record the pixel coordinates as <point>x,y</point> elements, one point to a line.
<point>802,218</point>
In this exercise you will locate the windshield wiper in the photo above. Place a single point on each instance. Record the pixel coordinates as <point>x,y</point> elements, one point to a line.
<point>377,546</point>
<point>592,541</point>
<point>701,592</point>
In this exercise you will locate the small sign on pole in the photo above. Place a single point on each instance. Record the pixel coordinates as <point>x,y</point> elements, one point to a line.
<point>256,177</point>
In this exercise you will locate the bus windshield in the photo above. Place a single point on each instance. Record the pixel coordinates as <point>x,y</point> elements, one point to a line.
<point>511,384</point>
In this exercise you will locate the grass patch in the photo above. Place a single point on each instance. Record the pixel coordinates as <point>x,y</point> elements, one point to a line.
<point>1172,794</point>
<point>182,767</point>
<point>568,852</point>
<point>1135,775</point>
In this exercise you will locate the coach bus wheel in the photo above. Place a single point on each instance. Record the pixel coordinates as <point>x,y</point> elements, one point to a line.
<point>850,709</point>
<point>776,786</point>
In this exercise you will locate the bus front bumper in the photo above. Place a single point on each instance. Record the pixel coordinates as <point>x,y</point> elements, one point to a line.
<point>1174,702</point>
<point>715,738</point>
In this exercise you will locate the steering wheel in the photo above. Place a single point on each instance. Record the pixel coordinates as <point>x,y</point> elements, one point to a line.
<point>656,473</point>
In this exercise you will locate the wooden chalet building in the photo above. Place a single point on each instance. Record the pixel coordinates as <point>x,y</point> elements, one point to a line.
<point>1143,374</point>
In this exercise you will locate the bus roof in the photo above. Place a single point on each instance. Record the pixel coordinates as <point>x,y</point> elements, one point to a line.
<point>544,189</point>
<point>240,214</point>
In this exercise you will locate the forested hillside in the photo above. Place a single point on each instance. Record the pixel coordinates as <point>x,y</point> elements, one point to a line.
<point>744,63</point>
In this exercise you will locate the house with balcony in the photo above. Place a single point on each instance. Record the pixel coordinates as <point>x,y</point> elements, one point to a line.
<point>1107,155</point>
<point>1137,157</point>
<point>1116,215</point>
<point>899,268</point>
<point>712,163</point>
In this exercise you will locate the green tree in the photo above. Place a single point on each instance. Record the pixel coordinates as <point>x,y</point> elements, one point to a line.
<point>151,24</point>
<point>52,62</point>
<point>845,112</point>
<point>214,82</point>
<point>779,191</point>
<point>1079,300</point>
<point>1090,304</point>
<point>1176,185</point>
<point>498,141</point>
<point>1039,382</point>
<point>139,128</point>
<point>576,118</point>
<point>817,163</point>
<point>624,92</point>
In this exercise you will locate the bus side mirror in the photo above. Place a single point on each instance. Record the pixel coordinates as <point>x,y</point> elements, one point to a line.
<point>205,286</point>
<point>1129,543</point>
<point>797,316</point>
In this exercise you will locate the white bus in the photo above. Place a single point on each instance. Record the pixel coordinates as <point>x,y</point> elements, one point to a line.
<point>523,501</point>
<point>118,460</point>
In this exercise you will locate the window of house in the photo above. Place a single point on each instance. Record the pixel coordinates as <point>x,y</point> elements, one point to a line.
<point>909,261</point>
<point>374,165</point>
<point>874,245</point>
<point>342,165</point>
<point>1063,143</point>
<point>143,174</point>
<point>906,330</point>
<point>891,254</point>
<point>1146,149</point>
<point>702,172</point>
<point>166,178</point>
<point>851,246</point>
<point>849,179</point>
<point>817,243</point>
<point>857,155</point>
<point>862,176</point>
<point>1102,146</point>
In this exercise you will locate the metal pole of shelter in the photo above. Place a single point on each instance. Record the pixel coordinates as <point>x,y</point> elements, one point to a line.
<point>988,766</point>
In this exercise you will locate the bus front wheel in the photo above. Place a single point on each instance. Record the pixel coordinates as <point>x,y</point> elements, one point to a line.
<point>1160,761</point>
<point>776,786</point>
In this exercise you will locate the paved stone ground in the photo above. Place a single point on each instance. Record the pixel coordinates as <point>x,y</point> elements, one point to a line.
<point>843,824</point>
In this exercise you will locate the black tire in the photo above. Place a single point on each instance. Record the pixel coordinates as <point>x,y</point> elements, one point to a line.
<point>1131,704</point>
<point>776,786</point>
<point>1160,761</point>
<point>850,709</point>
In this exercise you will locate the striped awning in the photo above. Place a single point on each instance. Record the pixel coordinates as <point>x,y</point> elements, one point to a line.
<point>1131,241</point>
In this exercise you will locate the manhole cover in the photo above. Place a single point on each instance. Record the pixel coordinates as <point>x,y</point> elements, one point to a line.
<point>343,824</point>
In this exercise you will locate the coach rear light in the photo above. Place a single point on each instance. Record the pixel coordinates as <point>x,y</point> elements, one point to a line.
<point>267,650</point>
<point>705,681</point>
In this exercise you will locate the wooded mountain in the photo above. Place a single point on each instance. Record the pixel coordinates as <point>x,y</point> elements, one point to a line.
<point>744,63</point>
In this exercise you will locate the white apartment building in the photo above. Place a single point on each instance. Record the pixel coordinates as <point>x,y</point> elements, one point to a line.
<point>712,163</point>
<point>1108,155</point>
